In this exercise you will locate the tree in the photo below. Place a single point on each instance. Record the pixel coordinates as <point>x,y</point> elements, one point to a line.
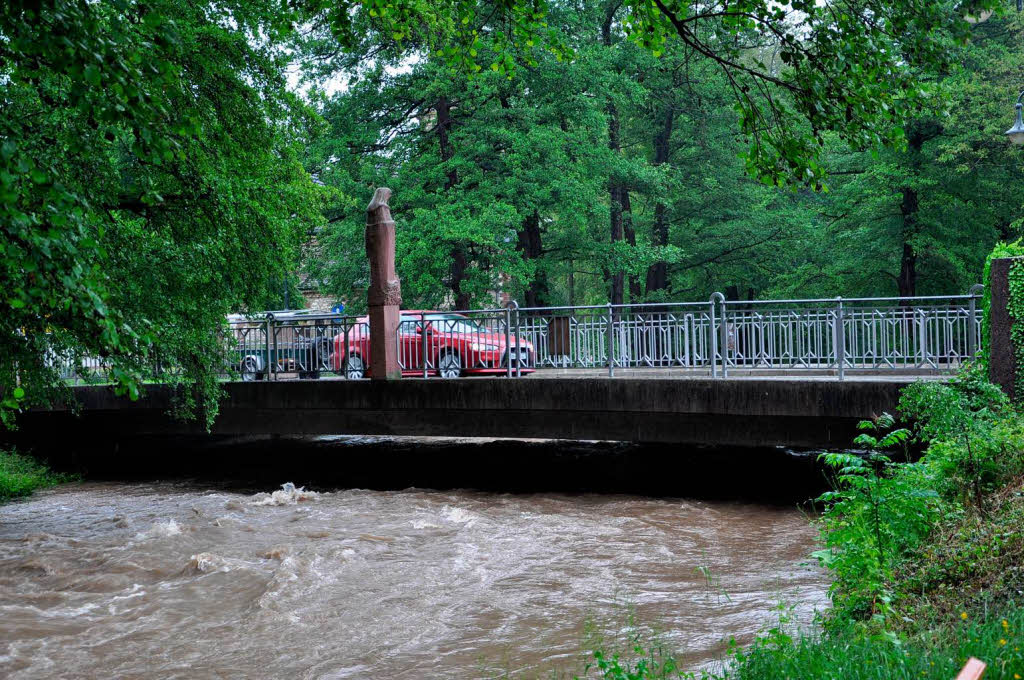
<point>149,184</point>
<point>807,82</point>
<point>796,70</point>
<point>920,220</point>
<point>499,169</point>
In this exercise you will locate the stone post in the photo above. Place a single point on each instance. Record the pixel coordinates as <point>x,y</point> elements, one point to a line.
<point>1002,368</point>
<point>385,291</point>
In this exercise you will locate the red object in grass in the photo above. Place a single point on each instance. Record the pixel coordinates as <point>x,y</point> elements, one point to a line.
<point>972,670</point>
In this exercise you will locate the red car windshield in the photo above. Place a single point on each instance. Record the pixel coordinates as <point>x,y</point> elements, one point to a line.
<point>446,323</point>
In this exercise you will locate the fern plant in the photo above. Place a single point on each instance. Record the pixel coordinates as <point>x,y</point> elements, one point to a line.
<point>877,512</point>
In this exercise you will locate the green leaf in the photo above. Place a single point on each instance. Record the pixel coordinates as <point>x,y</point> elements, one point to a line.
<point>92,75</point>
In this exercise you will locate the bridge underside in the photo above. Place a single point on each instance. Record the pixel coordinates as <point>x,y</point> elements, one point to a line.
<point>740,412</point>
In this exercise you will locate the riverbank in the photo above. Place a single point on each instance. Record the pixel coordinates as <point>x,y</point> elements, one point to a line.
<point>927,554</point>
<point>20,475</point>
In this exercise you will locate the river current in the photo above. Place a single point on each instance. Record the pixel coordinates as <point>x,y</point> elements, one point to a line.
<point>177,580</point>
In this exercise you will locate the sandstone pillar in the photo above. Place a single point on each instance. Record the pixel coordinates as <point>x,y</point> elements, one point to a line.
<point>384,295</point>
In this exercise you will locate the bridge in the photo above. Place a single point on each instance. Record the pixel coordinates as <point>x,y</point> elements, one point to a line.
<point>811,412</point>
<point>722,372</point>
<point>778,372</point>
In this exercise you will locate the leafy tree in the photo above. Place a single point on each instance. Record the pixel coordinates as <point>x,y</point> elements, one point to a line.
<point>796,70</point>
<point>149,184</point>
<point>683,218</point>
<point>492,177</point>
<point>921,219</point>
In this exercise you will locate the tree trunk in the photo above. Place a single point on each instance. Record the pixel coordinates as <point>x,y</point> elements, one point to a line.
<point>536,294</point>
<point>657,273</point>
<point>918,132</point>
<point>460,264</point>
<point>635,292</point>
<point>906,282</point>
<point>460,260</point>
<point>612,273</point>
<point>444,126</point>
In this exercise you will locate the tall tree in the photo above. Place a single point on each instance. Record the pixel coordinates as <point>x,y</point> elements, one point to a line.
<point>149,184</point>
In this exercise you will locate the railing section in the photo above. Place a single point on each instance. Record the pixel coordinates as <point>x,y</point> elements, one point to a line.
<point>714,337</point>
<point>609,336</point>
<point>872,333</point>
<point>309,346</point>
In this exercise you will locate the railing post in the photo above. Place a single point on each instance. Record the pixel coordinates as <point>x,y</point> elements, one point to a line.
<point>840,340</point>
<point>716,347</point>
<point>508,342</point>
<point>519,340</point>
<point>1002,351</point>
<point>611,342</point>
<point>712,332</point>
<point>924,340</point>
<point>973,333</point>
<point>277,350</point>
<point>723,330</point>
<point>344,351</point>
<point>424,344</point>
<point>270,321</point>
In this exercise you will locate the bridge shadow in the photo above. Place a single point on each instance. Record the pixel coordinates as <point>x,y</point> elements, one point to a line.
<point>260,463</point>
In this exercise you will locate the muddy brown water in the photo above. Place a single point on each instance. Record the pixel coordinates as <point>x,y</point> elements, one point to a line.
<point>176,580</point>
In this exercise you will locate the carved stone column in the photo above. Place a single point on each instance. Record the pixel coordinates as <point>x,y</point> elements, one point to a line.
<point>385,292</point>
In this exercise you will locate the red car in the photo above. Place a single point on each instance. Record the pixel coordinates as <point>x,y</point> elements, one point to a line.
<point>455,345</point>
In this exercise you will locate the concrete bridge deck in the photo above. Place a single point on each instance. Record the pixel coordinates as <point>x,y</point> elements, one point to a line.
<point>802,410</point>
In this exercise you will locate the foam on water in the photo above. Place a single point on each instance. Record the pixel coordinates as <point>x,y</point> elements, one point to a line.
<point>161,529</point>
<point>208,563</point>
<point>458,515</point>
<point>423,524</point>
<point>288,494</point>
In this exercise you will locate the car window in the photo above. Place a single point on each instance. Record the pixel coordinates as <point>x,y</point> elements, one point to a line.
<point>408,324</point>
<point>453,323</point>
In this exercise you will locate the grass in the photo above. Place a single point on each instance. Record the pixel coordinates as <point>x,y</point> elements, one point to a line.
<point>849,655</point>
<point>20,475</point>
<point>972,562</point>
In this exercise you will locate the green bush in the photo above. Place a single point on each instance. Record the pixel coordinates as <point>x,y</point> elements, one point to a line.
<point>885,504</point>
<point>878,512</point>
<point>20,475</point>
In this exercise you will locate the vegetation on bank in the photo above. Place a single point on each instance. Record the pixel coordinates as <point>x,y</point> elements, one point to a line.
<point>926,551</point>
<point>20,475</point>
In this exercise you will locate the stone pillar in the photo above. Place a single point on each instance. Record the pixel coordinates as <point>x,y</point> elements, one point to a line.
<point>1002,366</point>
<point>384,294</point>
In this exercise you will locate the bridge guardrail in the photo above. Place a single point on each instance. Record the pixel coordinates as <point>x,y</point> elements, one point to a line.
<point>935,332</point>
<point>837,335</point>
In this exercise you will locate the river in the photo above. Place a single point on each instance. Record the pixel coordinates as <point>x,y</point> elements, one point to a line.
<point>114,579</point>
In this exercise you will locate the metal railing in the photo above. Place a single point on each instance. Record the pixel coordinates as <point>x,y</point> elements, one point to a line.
<point>936,333</point>
<point>77,369</point>
<point>717,337</point>
<point>924,333</point>
<point>269,346</point>
<point>652,335</point>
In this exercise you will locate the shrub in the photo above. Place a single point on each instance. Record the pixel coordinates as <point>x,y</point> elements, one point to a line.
<point>20,475</point>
